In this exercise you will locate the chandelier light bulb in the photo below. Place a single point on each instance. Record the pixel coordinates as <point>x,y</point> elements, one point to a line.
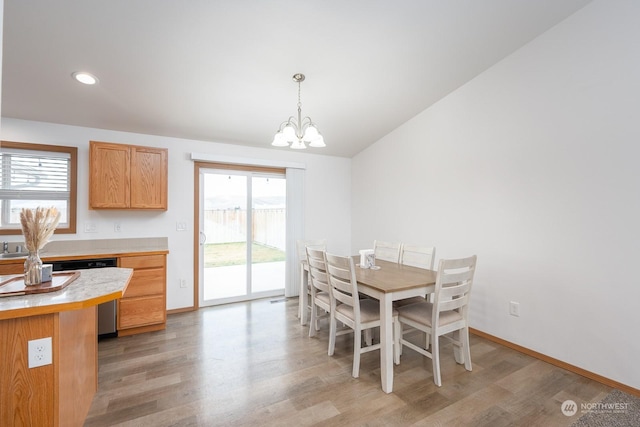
<point>310,134</point>
<point>298,145</point>
<point>318,142</point>
<point>289,134</point>
<point>279,140</point>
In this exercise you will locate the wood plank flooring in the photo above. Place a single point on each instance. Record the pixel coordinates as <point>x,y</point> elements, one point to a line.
<point>252,364</point>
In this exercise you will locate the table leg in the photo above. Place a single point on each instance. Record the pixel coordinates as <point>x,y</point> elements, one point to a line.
<point>386,343</point>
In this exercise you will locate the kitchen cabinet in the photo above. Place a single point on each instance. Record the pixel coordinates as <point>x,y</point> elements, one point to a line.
<point>127,176</point>
<point>143,306</point>
<point>14,268</point>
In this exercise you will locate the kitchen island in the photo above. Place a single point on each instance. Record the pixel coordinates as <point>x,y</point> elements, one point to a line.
<point>59,393</point>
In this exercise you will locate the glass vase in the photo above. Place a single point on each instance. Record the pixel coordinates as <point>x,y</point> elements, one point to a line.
<point>33,269</point>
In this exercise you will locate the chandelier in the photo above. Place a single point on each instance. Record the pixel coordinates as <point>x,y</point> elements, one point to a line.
<point>297,133</point>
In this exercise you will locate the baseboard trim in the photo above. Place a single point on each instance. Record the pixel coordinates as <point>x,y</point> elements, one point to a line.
<point>559,363</point>
<point>181,310</point>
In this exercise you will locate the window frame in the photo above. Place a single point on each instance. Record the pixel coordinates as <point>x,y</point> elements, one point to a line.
<point>73,181</point>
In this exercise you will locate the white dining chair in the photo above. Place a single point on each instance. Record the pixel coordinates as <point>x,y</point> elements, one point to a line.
<point>304,304</point>
<point>420,257</point>
<point>319,285</point>
<point>387,251</point>
<point>358,314</point>
<point>449,313</point>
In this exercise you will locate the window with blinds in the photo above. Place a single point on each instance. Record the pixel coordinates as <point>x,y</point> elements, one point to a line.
<point>33,175</point>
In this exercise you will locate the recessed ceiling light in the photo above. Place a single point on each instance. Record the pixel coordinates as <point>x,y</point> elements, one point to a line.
<point>85,78</point>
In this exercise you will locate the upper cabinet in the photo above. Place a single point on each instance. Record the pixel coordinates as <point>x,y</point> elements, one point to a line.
<point>127,176</point>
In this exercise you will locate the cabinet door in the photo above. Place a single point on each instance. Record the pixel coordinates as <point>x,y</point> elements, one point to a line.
<point>6,269</point>
<point>141,311</point>
<point>148,178</point>
<point>109,176</point>
<point>150,281</point>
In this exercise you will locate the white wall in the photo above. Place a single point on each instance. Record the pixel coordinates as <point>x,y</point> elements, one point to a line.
<point>327,201</point>
<point>1,35</point>
<point>533,166</point>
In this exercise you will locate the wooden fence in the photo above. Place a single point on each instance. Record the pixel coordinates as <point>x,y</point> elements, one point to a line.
<point>230,225</point>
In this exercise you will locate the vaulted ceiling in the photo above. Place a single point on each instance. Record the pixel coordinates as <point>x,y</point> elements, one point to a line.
<point>222,71</point>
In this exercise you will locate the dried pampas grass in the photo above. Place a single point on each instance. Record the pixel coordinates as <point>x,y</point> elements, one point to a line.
<point>37,226</point>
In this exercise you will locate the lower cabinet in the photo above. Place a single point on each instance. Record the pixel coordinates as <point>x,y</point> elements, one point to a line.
<point>15,268</point>
<point>143,307</point>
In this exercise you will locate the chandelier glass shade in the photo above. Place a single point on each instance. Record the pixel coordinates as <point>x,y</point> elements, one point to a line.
<point>298,132</point>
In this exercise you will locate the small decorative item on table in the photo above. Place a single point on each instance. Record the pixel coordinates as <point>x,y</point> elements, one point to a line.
<point>367,258</point>
<point>37,227</point>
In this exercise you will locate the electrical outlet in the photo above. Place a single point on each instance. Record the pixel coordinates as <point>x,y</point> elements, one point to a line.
<point>181,226</point>
<point>90,227</point>
<point>40,352</point>
<point>116,227</point>
<point>514,308</point>
<point>183,283</point>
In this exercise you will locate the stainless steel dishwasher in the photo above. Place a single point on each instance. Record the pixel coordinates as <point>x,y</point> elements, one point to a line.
<point>107,326</point>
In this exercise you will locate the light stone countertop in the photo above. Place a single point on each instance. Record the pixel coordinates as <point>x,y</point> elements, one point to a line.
<point>100,248</point>
<point>94,286</point>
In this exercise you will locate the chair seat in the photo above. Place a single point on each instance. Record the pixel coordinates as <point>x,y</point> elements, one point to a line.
<point>421,312</point>
<point>407,301</point>
<point>369,310</point>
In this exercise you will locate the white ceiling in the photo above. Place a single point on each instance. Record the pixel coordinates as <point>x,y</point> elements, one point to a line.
<point>221,71</point>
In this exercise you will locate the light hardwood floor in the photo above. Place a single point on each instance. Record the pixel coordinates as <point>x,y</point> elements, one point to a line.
<point>252,364</point>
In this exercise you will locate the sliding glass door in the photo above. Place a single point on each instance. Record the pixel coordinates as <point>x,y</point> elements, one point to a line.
<point>242,235</point>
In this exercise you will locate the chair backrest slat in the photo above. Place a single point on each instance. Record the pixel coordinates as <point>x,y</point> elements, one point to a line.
<point>301,246</point>
<point>342,280</point>
<point>317,269</point>
<point>387,251</point>
<point>418,256</point>
<point>453,286</point>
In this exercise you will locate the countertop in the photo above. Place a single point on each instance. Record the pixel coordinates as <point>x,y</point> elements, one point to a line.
<point>85,249</point>
<point>94,286</point>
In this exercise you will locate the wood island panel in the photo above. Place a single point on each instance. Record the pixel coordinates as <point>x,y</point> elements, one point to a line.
<point>25,394</point>
<point>60,393</point>
<point>78,368</point>
<point>56,394</point>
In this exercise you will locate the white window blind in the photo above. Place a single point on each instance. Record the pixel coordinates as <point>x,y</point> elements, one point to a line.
<point>28,175</point>
<point>31,178</point>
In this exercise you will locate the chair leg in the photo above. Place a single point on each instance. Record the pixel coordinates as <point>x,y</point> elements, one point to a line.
<point>332,335</point>
<point>313,323</point>
<point>397,335</point>
<point>466,350</point>
<point>357,334</point>
<point>435,358</point>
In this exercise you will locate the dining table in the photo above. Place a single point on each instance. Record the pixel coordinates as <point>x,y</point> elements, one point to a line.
<point>388,282</point>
